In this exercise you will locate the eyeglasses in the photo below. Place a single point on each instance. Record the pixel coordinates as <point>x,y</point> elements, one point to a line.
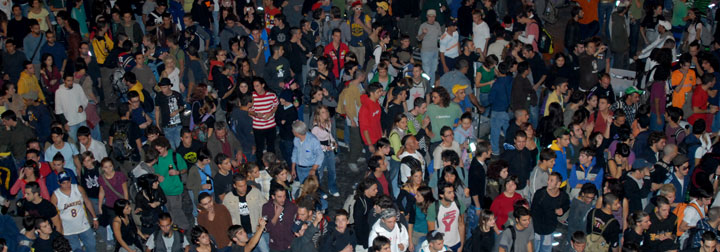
<point>449,135</point>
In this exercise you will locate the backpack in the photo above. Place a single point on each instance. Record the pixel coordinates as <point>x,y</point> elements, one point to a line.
<point>595,241</point>
<point>199,131</point>
<point>679,211</point>
<point>349,205</point>
<point>550,15</point>
<point>121,148</point>
<point>116,80</point>
<point>544,40</point>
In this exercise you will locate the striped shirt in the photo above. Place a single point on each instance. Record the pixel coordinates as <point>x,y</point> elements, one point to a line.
<point>262,104</point>
<point>449,44</point>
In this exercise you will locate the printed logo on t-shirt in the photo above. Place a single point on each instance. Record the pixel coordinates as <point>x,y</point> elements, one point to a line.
<point>448,219</point>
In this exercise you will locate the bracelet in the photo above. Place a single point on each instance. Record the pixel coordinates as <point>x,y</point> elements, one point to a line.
<point>95,218</point>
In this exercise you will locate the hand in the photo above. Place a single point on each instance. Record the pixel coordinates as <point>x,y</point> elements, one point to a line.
<point>559,211</point>
<point>154,204</point>
<point>425,30</point>
<point>206,186</point>
<point>446,69</point>
<point>401,247</point>
<point>467,192</point>
<point>261,224</point>
<point>294,174</point>
<point>95,224</point>
<point>713,109</point>
<point>658,121</point>
<point>371,148</point>
<point>22,173</point>
<point>347,248</point>
<point>173,172</point>
<point>353,123</point>
<point>161,178</point>
<point>318,218</point>
<point>100,210</point>
<point>80,109</point>
<point>426,121</point>
<point>278,210</point>
<point>478,212</point>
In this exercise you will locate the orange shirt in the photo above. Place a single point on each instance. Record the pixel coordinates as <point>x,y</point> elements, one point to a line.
<point>681,89</point>
<point>590,10</point>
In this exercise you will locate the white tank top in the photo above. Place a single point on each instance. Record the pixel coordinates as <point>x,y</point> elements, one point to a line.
<point>72,211</point>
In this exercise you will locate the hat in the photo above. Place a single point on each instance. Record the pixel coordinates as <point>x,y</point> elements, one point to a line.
<point>63,176</point>
<point>316,6</point>
<point>632,89</point>
<point>286,95</point>
<point>431,12</point>
<point>640,164</point>
<point>383,5</point>
<point>165,82</point>
<point>32,95</point>
<point>356,3</point>
<point>665,24</point>
<point>458,87</point>
<point>679,160</point>
<point>559,132</point>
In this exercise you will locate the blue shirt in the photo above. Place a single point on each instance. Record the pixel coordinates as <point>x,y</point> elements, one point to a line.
<point>57,51</point>
<point>715,100</point>
<point>308,152</point>
<point>206,172</point>
<point>68,151</point>
<point>500,94</point>
<point>51,181</point>
<point>31,42</point>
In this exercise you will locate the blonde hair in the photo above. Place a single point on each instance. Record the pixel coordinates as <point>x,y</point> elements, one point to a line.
<point>309,188</point>
<point>316,119</point>
<point>667,189</point>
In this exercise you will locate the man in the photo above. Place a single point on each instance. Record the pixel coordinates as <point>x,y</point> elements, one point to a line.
<point>540,174</point>
<point>603,88</point>
<point>449,47</point>
<point>307,153</point>
<point>71,202</point>
<point>560,146</point>
<point>709,242</point>
<point>33,42</point>
<point>477,174</point>
<point>57,50</point>
<point>231,31</point>
<point>308,225</point>
<point>369,116</point>
<point>500,97</point>
<point>663,227</point>
<point>694,212</point>
<point>239,237</point>
<point>245,206</point>
<point>28,81</point>
<point>572,29</point>
<point>524,233</point>
<point>168,170</point>
<point>131,28</point>
<point>481,32</point>
<point>215,217</point>
<point>144,72</point>
<point>447,216</point>
<point>87,143</point>
<point>280,212</point>
<point>468,53</point>
<point>256,51</point>
<point>277,70</point>
<point>348,103</point>
<point>711,223</point>
<point>662,170</point>
<point>434,242</point>
<point>588,64</point>
<point>537,65</point>
<point>166,238</point>
<point>70,104</point>
<point>14,135</point>
<point>680,178</point>
<point>457,77</point>
<point>651,152</point>
<point>18,25</point>
<point>629,103</point>
<point>585,171</point>
<point>223,179</point>
<point>579,207</point>
<point>560,88</point>
<point>523,92</point>
<point>547,206</point>
<point>577,137</point>
<point>410,147</point>
<point>65,149</point>
<point>45,234</point>
<point>336,51</point>
<point>360,27</point>
<point>601,221</point>
<point>429,33</point>
<point>578,241</point>
<point>264,105</point>
<point>520,159</point>
<point>168,106</point>
<point>620,34</point>
<point>223,141</point>
<point>125,139</point>
<point>189,148</point>
<point>34,205</point>
<point>637,186</point>
<point>389,227</point>
<point>341,237</point>
<point>12,61</point>
<point>154,18</point>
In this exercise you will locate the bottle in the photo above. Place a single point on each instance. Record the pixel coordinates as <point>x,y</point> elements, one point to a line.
<point>209,182</point>
<point>170,167</point>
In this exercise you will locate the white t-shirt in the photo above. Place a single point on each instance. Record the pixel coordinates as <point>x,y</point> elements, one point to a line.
<point>481,34</point>
<point>405,170</point>
<point>449,44</point>
<point>72,211</point>
<point>448,223</point>
<point>691,214</point>
<point>705,146</point>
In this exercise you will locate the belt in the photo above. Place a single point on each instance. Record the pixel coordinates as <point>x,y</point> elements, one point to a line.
<point>304,166</point>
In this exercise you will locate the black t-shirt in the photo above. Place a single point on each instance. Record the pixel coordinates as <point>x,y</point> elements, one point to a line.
<point>133,134</point>
<point>189,153</point>
<point>612,226</point>
<point>45,245</point>
<point>45,209</point>
<point>168,104</point>
<point>89,182</point>
<point>223,184</point>
<point>631,237</point>
<point>245,212</point>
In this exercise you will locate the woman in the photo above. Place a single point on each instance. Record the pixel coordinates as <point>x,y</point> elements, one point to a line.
<point>382,77</point>
<point>615,187</point>
<point>251,171</point>
<point>30,172</point>
<point>694,29</point>
<point>380,244</point>
<point>202,121</point>
<point>324,70</point>
<point>497,175</point>
<point>127,234</point>
<point>113,187</point>
<point>311,191</point>
<point>245,74</point>
<point>243,89</point>
<point>548,124</point>
<point>485,233</point>
<point>618,166</point>
<point>532,142</point>
<point>591,102</point>
<point>315,95</point>
<point>441,105</point>
<point>51,76</point>
<point>78,13</point>
<point>638,223</point>
<point>561,68</point>
<point>322,129</point>
<point>201,241</point>
<point>149,202</point>
<point>237,50</point>
<point>89,175</point>
<point>455,175</point>
<point>503,203</point>
<point>39,13</point>
<point>417,222</point>
<point>365,192</point>
<point>485,77</point>
<point>279,173</point>
<point>381,47</point>
<point>173,73</point>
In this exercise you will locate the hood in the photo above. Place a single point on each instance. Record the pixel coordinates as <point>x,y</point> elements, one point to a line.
<point>556,147</point>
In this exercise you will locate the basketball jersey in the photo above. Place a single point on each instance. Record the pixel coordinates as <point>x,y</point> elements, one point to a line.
<point>72,211</point>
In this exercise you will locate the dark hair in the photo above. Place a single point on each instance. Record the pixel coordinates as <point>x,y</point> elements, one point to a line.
<point>362,186</point>
<point>130,77</point>
<point>33,186</point>
<point>123,109</point>
<point>522,67</point>
<point>373,87</point>
<point>450,156</point>
<point>220,158</point>
<point>609,199</point>
<point>635,217</point>
<point>450,170</point>
<point>161,142</point>
<point>196,232</point>
<point>698,127</point>
<point>61,244</point>
<point>58,157</point>
<point>588,188</point>
<point>547,154</point>
<point>202,196</point>
<point>519,212</point>
<point>9,115</point>
<point>674,113</point>
<point>655,137</point>
<point>496,167</point>
<point>374,162</point>
<point>443,94</point>
<point>378,243</point>
<point>119,207</point>
<point>708,236</point>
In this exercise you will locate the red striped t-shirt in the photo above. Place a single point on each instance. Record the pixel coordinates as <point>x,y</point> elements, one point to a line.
<point>262,104</point>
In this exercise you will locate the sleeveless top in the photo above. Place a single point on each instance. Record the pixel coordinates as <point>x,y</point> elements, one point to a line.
<point>72,211</point>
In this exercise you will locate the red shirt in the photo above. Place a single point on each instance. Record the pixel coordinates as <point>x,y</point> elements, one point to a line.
<point>264,103</point>
<point>337,55</point>
<point>369,119</point>
<point>502,206</point>
<point>384,184</point>
<point>700,100</point>
<point>599,121</point>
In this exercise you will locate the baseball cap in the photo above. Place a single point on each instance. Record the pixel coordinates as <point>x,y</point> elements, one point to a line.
<point>640,164</point>
<point>63,176</point>
<point>458,87</point>
<point>165,82</point>
<point>633,89</point>
<point>383,5</point>
<point>356,3</point>
<point>431,12</point>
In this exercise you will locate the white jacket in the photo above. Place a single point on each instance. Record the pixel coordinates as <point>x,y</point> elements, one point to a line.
<point>425,247</point>
<point>67,102</point>
<point>399,235</point>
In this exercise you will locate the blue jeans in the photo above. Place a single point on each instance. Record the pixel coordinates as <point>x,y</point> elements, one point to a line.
<point>101,231</point>
<point>264,243</point>
<point>302,172</point>
<point>172,133</point>
<point>498,123</point>
<point>668,5</point>
<point>534,117</point>
<point>484,99</point>
<point>329,164</point>
<point>216,27</point>
<point>654,126</point>
<point>73,130</point>
<point>194,205</point>
<point>87,238</point>
<point>543,243</point>
<point>634,36</point>
<point>430,64</point>
<point>392,176</point>
<point>716,123</point>
<point>471,219</point>
<point>286,149</point>
<point>604,12</point>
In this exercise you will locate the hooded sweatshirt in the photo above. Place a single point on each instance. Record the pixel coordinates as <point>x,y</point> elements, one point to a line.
<point>397,235</point>
<point>560,161</point>
<point>369,119</point>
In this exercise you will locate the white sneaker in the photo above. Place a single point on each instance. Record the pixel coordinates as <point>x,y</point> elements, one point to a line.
<point>361,160</point>
<point>336,194</point>
<point>353,167</point>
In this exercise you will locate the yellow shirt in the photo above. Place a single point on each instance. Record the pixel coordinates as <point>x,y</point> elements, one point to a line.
<point>553,97</point>
<point>29,83</point>
<point>138,87</point>
<point>102,48</point>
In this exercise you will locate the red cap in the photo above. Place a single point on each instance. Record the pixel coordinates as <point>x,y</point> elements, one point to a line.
<point>356,3</point>
<point>316,5</point>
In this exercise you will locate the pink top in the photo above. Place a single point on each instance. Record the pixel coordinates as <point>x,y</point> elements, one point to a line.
<point>20,186</point>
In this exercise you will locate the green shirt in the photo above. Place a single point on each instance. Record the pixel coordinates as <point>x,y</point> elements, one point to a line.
<point>636,11</point>
<point>440,117</point>
<point>172,186</point>
<point>680,11</point>
<point>486,77</point>
<point>432,215</point>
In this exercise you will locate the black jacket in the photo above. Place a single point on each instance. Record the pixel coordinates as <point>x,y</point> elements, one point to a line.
<point>543,210</point>
<point>521,164</point>
<point>361,211</point>
<point>572,34</point>
<point>335,241</point>
<point>478,178</point>
<point>635,194</point>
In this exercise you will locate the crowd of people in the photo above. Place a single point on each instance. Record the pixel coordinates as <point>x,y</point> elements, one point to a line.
<point>442,125</point>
